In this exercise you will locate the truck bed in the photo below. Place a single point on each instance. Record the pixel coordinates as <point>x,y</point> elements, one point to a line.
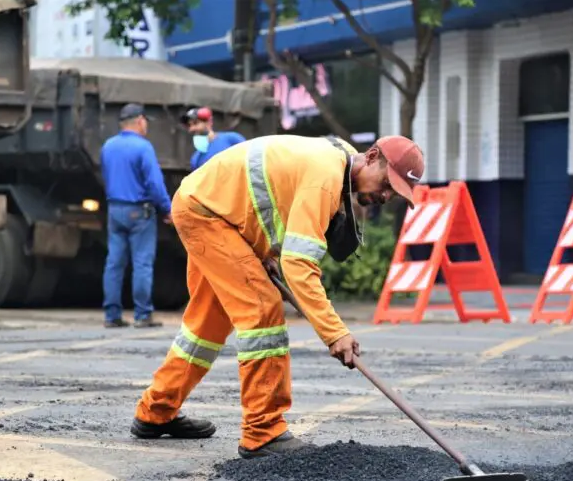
<point>74,106</point>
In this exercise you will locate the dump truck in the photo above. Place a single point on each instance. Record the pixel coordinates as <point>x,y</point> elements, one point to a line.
<point>55,115</point>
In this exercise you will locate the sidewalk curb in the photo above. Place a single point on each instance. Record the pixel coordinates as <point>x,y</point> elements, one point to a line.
<point>348,314</point>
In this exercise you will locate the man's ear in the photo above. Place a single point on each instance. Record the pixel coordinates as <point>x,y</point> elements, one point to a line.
<point>372,154</point>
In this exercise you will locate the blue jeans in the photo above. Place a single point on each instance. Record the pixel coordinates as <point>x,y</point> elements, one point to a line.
<point>129,232</point>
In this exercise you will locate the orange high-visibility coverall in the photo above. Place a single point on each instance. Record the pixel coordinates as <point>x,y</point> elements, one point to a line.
<point>269,194</point>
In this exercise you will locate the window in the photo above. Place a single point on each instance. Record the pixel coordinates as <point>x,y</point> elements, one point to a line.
<point>453,129</point>
<point>544,85</point>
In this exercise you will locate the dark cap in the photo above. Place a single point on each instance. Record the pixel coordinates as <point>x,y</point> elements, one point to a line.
<point>131,111</point>
<point>201,113</point>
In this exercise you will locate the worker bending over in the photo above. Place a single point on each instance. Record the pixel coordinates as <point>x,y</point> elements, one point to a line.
<point>207,142</point>
<point>280,197</point>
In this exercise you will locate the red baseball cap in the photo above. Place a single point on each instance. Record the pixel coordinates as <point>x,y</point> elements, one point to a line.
<point>200,113</point>
<point>405,164</point>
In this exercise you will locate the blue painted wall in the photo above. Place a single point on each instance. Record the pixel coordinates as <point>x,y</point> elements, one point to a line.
<point>547,190</point>
<point>315,36</point>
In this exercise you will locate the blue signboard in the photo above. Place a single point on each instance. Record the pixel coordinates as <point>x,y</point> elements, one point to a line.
<point>321,29</point>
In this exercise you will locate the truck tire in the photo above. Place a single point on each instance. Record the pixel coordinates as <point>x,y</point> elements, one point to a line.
<point>170,282</point>
<point>43,281</point>
<point>15,266</point>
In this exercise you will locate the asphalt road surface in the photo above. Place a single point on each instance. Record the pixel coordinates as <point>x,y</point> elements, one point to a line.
<point>68,388</point>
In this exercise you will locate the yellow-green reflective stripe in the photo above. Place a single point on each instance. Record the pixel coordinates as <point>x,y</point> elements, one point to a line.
<point>193,349</point>
<point>255,155</point>
<point>262,340</point>
<point>303,246</point>
<point>197,340</point>
<point>308,238</point>
<point>299,256</point>
<point>261,193</point>
<point>277,222</point>
<point>247,356</point>
<point>190,359</point>
<point>263,331</point>
<point>264,343</point>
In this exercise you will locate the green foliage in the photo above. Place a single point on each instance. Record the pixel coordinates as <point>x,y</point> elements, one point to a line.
<point>126,14</point>
<point>289,10</point>
<point>362,278</point>
<point>431,11</point>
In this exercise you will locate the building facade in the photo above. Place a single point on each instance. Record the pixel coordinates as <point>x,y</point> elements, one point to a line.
<point>56,34</point>
<point>494,110</point>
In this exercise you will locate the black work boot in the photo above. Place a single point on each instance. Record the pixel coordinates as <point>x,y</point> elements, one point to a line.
<point>149,322</point>
<point>286,443</point>
<point>116,323</point>
<point>181,427</point>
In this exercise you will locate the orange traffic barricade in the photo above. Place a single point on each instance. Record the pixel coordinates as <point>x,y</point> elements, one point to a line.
<point>558,278</point>
<point>442,217</point>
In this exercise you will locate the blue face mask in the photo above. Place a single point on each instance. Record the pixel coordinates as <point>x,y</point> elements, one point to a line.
<point>201,143</point>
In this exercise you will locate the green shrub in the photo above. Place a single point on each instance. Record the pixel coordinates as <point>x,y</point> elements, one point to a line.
<point>362,278</point>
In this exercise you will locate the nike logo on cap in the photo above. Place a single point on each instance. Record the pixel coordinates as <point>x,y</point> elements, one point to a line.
<point>410,175</point>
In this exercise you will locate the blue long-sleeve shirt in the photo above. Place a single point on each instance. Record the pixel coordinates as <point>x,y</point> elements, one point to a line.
<point>131,171</point>
<point>222,141</point>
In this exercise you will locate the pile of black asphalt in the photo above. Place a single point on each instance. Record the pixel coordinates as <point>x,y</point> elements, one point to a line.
<point>353,461</point>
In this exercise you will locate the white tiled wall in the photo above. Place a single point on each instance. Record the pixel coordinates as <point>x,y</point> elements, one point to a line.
<point>487,62</point>
<point>426,124</point>
<point>431,98</point>
<point>454,45</point>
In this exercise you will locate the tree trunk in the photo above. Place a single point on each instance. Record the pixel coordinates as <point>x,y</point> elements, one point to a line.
<point>304,78</point>
<point>407,115</point>
<point>290,64</point>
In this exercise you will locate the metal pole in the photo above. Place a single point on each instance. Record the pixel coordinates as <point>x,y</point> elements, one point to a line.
<point>244,35</point>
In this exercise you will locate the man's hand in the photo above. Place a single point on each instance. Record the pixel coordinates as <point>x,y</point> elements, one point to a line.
<point>167,219</point>
<point>272,267</point>
<point>344,349</point>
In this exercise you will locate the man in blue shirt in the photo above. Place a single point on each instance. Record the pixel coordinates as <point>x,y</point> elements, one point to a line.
<point>207,143</point>
<point>136,195</point>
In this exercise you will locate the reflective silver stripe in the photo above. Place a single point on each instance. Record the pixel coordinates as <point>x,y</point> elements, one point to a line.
<point>263,343</point>
<point>261,195</point>
<point>194,350</point>
<point>304,246</point>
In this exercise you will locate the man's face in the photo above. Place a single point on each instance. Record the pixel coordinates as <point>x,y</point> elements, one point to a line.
<point>143,125</point>
<point>198,127</point>
<point>371,183</point>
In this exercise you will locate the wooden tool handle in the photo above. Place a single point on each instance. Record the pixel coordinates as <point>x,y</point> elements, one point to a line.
<point>287,294</point>
<point>396,398</point>
<point>409,411</point>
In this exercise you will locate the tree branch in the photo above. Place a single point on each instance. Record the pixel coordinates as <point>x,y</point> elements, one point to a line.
<point>274,57</point>
<point>381,69</point>
<point>423,48</point>
<point>425,43</point>
<point>381,50</point>
<point>289,64</point>
<point>416,13</point>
